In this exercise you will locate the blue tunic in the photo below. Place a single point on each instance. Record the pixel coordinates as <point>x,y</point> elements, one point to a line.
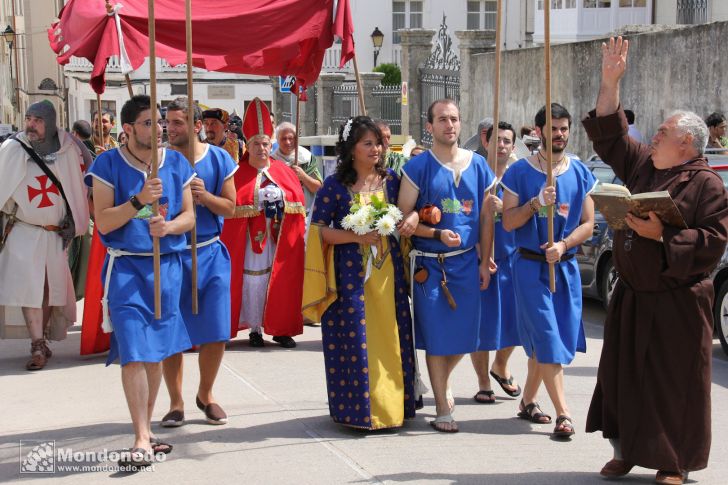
<point>344,324</point>
<point>499,328</point>
<point>439,329</point>
<point>138,336</point>
<point>212,322</point>
<point>549,324</point>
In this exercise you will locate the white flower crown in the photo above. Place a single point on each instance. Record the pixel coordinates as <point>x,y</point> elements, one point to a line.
<point>347,130</point>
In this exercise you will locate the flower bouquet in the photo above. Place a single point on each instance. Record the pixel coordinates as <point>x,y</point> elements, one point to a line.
<point>377,215</point>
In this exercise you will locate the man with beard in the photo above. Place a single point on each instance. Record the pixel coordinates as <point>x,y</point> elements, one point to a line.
<point>307,168</point>
<point>43,207</point>
<point>549,324</point>
<point>213,192</point>
<point>123,194</point>
<point>447,274</point>
<point>106,141</point>
<point>652,398</point>
<point>265,239</point>
<point>215,122</point>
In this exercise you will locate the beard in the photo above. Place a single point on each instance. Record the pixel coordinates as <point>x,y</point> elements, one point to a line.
<point>554,148</point>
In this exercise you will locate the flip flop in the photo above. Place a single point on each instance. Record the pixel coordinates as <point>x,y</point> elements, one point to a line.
<point>506,382</point>
<point>159,446</point>
<point>136,458</point>
<point>446,418</point>
<point>489,397</point>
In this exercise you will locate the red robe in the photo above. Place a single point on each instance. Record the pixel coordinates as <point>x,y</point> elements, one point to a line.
<point>93,339</point>
<point>285,286</point>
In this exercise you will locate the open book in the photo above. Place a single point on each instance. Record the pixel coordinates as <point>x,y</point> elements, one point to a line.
<point>615,201</point>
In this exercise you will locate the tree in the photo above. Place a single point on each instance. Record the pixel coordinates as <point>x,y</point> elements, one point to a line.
<point>392,74</point>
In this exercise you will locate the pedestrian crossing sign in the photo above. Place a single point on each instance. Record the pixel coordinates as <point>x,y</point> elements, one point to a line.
<point>285,83</point>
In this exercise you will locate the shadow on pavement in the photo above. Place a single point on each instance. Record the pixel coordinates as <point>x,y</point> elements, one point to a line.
<point>556,477</point>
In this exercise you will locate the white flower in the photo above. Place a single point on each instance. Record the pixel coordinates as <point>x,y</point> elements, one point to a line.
<point>394,212</point>
<point>385,225</point>
<point>346,221</point>
<point>369,214</point>
<point>347,130</point>
<point>358,223</point>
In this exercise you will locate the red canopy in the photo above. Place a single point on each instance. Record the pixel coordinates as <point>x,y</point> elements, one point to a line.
<point>265,37</point>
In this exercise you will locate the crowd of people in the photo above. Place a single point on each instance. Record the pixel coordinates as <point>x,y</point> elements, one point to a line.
<point>443,252</point>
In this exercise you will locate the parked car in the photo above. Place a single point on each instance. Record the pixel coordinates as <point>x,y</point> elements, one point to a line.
<point>598,276</point>
<point>594,257</point>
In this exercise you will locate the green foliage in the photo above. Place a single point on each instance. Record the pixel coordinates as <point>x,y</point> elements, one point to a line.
<point>392,74</point>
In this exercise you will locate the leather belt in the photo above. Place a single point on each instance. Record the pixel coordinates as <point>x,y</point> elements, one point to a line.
<point>535,256</point>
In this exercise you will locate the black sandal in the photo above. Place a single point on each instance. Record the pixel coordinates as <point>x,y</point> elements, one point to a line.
<point>503,382</point>
<point>564,427</point>
<point>533,413</point>
<point>488,397</point>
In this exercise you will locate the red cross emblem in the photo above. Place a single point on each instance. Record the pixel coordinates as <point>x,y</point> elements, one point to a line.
<point>46,187</point>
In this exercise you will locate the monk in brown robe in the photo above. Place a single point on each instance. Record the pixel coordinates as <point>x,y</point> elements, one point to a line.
<point>652,398</point>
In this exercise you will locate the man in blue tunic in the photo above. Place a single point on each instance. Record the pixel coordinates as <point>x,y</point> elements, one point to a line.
<point>213,192</point>
<point>446,272</point>
<point>123,194</point>
<point>549,325</point>
<point>498,330</point>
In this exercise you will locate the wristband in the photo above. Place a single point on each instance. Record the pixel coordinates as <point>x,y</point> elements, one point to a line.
<point>136,203</point>
<point>532,205</point>
<point>566,245</point>
<point>437,234</point>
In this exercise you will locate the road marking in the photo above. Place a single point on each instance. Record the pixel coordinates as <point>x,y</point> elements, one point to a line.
<point>340,454</point>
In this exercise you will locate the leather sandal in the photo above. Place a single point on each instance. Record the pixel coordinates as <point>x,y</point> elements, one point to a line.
<point>485,397</point>
<point>564,427</point>
<point>503,382</point>
<point>533,413</point>
<point>38,359</point>
<point>159,446</point>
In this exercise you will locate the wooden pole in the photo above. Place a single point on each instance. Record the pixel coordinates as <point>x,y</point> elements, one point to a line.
<point>549,134</point>
<point>155,155</point>
<point>298,122</point>
<point>191,147</point>
<point>128,85</point>
<point>99,124</point>
<point>493,141</point>
<point>362,107</point>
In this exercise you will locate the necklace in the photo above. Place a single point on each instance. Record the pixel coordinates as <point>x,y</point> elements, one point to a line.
<point>540,157</point>
<point>148,165</point>
<point>367,186</point>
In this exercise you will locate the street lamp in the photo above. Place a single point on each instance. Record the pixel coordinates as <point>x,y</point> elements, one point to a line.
<point>9,36</point>
<point>377,40</point>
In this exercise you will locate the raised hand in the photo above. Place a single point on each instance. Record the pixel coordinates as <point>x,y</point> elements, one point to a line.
<point>614,60</point>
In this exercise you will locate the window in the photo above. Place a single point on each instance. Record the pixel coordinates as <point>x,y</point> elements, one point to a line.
<point>692,11</point>
<point>559,4</point>
<point>597,3</point>
<point>482,14</point>
<point>631,3</point>
<point>406,14</point>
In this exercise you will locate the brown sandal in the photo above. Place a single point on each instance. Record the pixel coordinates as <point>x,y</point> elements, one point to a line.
<point>38,358</point>
<point>564,427</point>
<point>533,413</point>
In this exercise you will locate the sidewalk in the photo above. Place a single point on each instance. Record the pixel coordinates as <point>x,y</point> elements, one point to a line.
<point>280,432</point>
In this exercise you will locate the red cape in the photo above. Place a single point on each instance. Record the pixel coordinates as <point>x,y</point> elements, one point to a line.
<point>93,339</point>
<point>285,287</point>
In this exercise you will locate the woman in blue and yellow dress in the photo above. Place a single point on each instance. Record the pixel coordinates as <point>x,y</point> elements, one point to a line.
<point>360,295</point>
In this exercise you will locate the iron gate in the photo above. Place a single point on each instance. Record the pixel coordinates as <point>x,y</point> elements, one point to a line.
<point>439,78</point>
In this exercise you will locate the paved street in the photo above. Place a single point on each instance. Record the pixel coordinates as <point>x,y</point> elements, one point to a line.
<point>280,432</point>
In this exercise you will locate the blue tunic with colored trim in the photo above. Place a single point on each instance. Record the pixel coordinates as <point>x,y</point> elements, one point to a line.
<point>439,329</point>
<point>549,324</point>
<point>137,335</point>
<point>212,322</point>
<point>499,328</point>
<point>344,325</point>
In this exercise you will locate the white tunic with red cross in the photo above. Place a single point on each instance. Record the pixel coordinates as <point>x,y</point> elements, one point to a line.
<point>30,249</point>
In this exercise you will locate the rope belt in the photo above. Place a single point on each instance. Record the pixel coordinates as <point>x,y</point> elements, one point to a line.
<point>420,387</point>
<point>113,254</point>
<point>205,243</point>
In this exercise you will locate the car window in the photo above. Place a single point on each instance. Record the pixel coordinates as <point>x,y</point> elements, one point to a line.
<point>604,175</point>
<point>724,175</point>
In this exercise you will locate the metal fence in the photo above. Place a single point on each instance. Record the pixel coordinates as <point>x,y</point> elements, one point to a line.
<point>346,105</point>
<point>692,11</point>
<point>389,100</point>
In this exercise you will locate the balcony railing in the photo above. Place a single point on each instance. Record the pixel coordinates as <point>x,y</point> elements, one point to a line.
<point>331,60</point>
<point>692,11</point>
